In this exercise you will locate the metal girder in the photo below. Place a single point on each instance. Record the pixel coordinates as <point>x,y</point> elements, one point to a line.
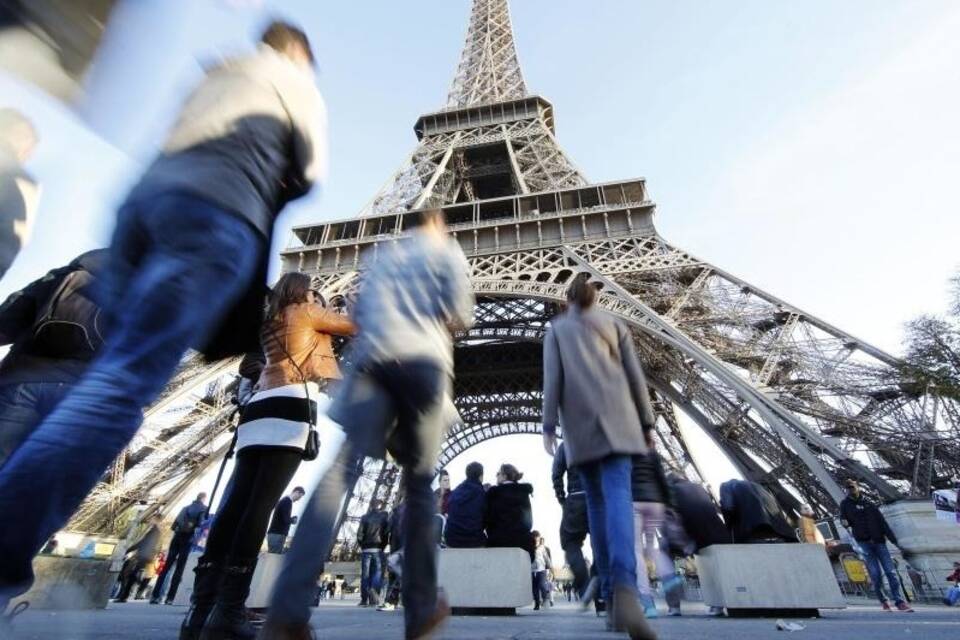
<point>145,471</point>
<point>796,403</point>
<point>489,70</point>
<point>439,169</point>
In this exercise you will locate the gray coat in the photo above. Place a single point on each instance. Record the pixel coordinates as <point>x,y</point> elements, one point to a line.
<point>594,387</point>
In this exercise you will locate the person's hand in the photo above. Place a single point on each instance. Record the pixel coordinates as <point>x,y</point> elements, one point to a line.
<point>550,441</point>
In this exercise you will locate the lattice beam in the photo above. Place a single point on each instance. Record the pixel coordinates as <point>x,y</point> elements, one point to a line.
<point>489,70</point>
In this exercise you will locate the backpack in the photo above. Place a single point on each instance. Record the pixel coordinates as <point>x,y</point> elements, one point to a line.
<point>952,597</point>
<point>69,323</point>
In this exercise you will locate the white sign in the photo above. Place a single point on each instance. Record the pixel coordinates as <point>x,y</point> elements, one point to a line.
<point>945,505</point>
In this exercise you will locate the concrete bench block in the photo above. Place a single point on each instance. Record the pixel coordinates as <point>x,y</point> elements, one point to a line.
<point>185,590</point>
<point>70,583</point>
<point>768,576</point>
<point>486,578</point>
<point>264,577</point>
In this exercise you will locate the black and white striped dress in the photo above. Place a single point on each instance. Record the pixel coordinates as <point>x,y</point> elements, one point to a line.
<point>279,417</point>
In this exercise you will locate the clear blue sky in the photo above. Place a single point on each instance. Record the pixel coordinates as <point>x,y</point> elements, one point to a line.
<point>811,148</point>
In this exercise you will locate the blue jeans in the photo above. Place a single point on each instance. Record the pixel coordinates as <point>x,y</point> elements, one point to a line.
<point>610,515</point>
<point>411,393</point>
<point>878,561</point>
<point>177,265</point>
<point>22,408</point>
<point>371,573</point>
<point>540,593</point>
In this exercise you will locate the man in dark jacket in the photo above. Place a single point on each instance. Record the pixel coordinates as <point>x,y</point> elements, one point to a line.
<point>752,514</point>
<point>138,556</point>
<point>465,510</point>
<point>573,523</point>
<point>183,527</point>
<point>372,537</point>
<point>55,329</point>
<point>191,244</point>
<point>698,514</point>
<point>282,520</point>
<point>871,531</point>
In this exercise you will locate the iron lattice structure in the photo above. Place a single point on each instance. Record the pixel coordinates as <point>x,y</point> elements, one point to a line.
<point>797,404</point>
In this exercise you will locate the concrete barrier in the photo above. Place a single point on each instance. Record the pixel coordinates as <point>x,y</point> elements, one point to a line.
<point>70,583</point>
<point>185,590</point>
<point>929,544</point>
<point>768,577</point>
<point>264,577</point>
<point>486,579</point>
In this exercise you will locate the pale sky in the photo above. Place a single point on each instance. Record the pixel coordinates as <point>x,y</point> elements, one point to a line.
<point>810,148</point>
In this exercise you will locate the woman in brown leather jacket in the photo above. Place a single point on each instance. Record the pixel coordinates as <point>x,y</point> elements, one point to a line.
<point>297,341</point>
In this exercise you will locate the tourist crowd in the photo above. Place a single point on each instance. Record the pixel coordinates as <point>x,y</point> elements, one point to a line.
<point>96,341</point>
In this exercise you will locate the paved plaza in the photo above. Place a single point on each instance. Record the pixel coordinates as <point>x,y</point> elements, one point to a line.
<point>343,620</point>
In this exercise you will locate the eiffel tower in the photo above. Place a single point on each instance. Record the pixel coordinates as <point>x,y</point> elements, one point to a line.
<point>795,403</point>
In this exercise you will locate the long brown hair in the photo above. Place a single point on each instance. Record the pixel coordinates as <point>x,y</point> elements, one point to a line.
<point>581,291</point>
<point>292,288</point>
<point>510,472</point>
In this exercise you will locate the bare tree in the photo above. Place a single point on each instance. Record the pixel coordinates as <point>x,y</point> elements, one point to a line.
<point>933,348</point>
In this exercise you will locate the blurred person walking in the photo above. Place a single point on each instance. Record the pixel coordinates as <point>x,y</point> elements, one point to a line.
<point>652,496</point>
<point>594,385</point>
<point>19,192</point>
<point>282,520</point>
<point>413,294</point>
<point>187,269</point>
<point>273,436</point>
<point>153,568</point>
<point>139,554</point>
<point>56,329</point>
<point>184,526</point>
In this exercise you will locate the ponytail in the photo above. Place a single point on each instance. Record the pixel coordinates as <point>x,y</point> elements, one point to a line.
<point>581,291</point>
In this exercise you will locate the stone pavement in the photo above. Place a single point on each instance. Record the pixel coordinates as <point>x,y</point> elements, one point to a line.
<point>343,620</point>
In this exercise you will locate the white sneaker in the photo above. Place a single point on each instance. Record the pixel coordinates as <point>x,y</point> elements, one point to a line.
<point>386,606</point>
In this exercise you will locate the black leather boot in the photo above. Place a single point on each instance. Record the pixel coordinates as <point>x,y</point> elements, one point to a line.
<point>205,584</point>
<point>228,620</point>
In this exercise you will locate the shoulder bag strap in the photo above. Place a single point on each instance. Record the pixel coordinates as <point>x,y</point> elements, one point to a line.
<point>306,387</point>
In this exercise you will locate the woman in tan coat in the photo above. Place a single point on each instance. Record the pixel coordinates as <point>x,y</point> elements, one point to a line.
<point>297,341</point>
<point>594,385</point>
